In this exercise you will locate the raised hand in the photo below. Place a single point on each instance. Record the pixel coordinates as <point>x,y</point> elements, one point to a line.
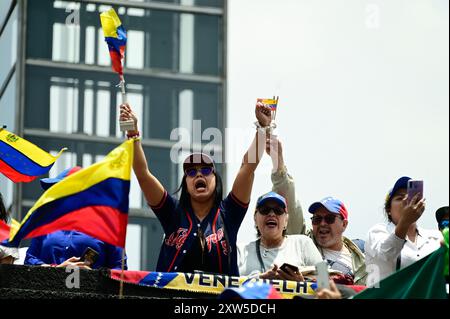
<point>412,210</point>
<point>126,114</point>
<point>263,113</point>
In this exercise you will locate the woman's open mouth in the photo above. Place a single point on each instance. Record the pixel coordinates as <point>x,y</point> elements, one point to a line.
<point>200,185</point>
<point>271,223</point>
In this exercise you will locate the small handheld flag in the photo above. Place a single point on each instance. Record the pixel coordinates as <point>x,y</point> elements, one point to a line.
<point>116,38</point>
<point>22,161</point>
<point>272,103</point>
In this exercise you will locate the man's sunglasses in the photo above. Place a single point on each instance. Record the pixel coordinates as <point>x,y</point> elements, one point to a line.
<point>266,210</point>
<point>205,171</point>
<point>329,219</point>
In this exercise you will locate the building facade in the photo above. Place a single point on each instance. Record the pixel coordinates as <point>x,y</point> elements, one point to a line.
<point>57,90</point>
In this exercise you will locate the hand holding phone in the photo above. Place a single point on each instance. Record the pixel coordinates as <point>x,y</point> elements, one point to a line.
<point>414,187</point>
<point>323,281</point>
<point>89,256</point>
<point>285,266</point>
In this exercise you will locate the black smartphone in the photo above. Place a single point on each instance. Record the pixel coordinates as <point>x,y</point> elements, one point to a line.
<point>89,256</point>
<point>291,267</point>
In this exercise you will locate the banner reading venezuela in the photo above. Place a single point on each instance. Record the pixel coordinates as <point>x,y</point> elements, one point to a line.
<point>422,280</point>
<point>93,200</point>
<point>22,161</point>
<point>208,283</point>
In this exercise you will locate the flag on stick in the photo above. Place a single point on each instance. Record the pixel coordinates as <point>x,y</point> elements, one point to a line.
<point>115,37</point>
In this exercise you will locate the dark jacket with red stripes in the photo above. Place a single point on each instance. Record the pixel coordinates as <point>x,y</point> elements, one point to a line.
<point>220,228</point>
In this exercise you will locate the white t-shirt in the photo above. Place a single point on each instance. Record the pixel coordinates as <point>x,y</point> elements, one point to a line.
<point>298,250</point>
<point>339,260</point>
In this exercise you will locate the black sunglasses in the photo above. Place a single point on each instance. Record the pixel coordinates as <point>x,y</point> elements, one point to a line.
<point>266,210</point>
<point>205,171</point>
<point>329,219</point>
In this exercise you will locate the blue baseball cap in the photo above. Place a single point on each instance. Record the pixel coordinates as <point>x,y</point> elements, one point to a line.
<point>401,183</point>
<point>333,205</point>
<point>46,183</point>
<point>251,290</point>
<point>280,200</point>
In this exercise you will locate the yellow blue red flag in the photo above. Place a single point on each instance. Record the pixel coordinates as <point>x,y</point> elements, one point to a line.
<point>22,161</point>
<point>116,38</point>
<point>5,229</point>
<point>272,103</point>
<point>93,201</point>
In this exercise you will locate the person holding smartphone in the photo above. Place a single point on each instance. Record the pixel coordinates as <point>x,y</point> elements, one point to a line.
<point>400,241</point>
<point>200,227</point>
<point>276,255</point>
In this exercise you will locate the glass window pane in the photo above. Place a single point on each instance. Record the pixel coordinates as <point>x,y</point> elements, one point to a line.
<point>87,103</point>
<point>8,45</point>
<point>150,241</point>
<point>204,3</point>
<point>4,9</point>
<point>157,39</point>
<point>133,246</point>
<point>8,105</point>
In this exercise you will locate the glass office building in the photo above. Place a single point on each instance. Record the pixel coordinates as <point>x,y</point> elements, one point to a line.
<point>57,90</point>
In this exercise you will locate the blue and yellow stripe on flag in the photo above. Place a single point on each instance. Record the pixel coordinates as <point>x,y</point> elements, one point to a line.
<point>115,36</point>
<point>93,201</point>
<point>22,161</point>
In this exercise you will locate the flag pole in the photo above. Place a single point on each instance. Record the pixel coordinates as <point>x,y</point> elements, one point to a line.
<point>121,274</point>
<point>127,125</point>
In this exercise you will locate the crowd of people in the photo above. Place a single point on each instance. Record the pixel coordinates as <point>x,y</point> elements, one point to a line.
<point>201,226</point>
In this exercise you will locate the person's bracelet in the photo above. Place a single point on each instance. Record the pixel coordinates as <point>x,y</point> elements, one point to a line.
<point>134,135</point>
<point>266,129</point>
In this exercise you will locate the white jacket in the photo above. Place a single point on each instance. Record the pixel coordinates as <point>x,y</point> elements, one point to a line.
<point>383,248</point>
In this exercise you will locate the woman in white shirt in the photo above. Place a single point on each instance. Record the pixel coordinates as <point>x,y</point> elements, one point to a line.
<point>399,242</point>
<point>264,256</point>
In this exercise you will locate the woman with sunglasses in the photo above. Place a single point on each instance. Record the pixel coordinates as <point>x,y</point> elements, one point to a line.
<point>201,227</point>
<point>266,256</point>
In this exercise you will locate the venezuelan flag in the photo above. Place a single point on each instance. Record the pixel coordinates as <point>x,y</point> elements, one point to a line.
<point>115,36</point>
<point>93,200</point>
<point>5,229</point>
<point>272,103</point>
<point>22,161</point>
